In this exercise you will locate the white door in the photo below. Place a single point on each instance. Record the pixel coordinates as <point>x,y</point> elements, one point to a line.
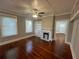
<point>38,28</point>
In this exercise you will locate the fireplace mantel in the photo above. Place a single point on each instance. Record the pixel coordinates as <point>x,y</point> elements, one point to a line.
<point>49,34</point>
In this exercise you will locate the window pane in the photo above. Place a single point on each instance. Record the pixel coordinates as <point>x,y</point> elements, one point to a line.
<point>61,26</point>
<point>9,26</point>
<point>29,26</point>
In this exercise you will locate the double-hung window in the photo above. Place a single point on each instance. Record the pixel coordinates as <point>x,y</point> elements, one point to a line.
<point>29,26</point>
<point>8,26</point>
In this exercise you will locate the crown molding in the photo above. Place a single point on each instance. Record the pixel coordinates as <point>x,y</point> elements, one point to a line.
<point>11,12</point>
<point>67,13</point>
<point>74,16</point>
<point>77,12</point>
<point>74,5</point>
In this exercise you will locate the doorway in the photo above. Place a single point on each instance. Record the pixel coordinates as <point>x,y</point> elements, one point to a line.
<point>61,28</point>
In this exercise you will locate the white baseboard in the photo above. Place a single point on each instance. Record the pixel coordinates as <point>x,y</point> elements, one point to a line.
<point>73,53</point>
<point>17,39</point>
<point>72,50</point>
<point>68,43</point>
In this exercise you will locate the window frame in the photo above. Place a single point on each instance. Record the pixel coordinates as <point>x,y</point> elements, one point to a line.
<point>10,16</point>
<point>26,26</point>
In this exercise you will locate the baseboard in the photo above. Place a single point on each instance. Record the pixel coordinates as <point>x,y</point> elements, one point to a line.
<point>73,53</point>
<point>68,43</point>
<point>10,41</point>
<point>72,50</point>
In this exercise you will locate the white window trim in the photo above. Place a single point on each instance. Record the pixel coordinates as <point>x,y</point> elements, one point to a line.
<point>11,16</point>
<point>25,26</point>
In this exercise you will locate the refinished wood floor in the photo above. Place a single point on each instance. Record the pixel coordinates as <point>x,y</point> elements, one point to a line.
<point>35,48</point>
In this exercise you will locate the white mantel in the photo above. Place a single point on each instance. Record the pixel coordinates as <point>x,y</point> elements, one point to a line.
<point>50,35</point>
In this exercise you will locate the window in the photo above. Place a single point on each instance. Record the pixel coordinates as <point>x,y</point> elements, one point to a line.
<point>61,26</point>
<point>8,26</point>
<point>29,26</point>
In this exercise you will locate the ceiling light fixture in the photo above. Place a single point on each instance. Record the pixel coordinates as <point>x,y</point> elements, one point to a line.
<point>35,13</point>
<point>35,16</point>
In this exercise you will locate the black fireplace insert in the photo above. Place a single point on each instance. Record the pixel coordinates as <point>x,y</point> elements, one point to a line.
<point>46,35</point>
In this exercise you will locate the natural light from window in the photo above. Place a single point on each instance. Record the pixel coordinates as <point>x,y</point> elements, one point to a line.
<point>61,26</point>
<point>29,26</point>
<point>8,26</point>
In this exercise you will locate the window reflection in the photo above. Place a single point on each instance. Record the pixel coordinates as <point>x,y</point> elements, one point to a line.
<point>29,47</point>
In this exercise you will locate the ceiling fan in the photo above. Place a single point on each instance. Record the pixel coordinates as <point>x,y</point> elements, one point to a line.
<point>37,13</point>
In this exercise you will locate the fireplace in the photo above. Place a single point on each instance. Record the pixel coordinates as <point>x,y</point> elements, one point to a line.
<point>46,35</point>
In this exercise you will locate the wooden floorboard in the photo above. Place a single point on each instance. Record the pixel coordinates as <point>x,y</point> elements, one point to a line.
<point>35,48</point>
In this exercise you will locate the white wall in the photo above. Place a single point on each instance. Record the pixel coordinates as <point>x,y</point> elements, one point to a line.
<point>75,38</point>
<point>47,23</point>
<point>20,27</point>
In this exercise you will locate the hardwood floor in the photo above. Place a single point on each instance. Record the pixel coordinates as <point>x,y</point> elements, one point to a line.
<point>34,48</point>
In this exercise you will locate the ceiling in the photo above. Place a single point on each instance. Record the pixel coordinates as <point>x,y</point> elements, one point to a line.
<point>24,7</point>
